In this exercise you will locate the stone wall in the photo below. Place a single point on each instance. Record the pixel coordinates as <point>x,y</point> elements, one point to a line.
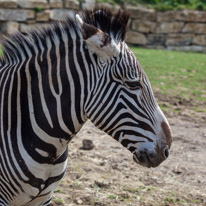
<point>23,15</point>
<point>175,30</point>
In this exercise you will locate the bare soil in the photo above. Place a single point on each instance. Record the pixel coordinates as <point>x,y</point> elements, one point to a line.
<point>107,175</point>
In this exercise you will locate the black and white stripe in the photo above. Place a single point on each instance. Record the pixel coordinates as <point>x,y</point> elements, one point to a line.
<point>51,82</point>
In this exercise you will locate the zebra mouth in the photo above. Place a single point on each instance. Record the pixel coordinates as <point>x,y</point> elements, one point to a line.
<point>143,159</point>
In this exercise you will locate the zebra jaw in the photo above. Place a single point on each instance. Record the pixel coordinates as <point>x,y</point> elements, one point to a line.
<point>97,41</point>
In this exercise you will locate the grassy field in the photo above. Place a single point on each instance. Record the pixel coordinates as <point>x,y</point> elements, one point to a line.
<point>175,74</point>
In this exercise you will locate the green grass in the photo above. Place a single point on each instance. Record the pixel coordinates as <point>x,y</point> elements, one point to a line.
<point>175,73</point>
<point>111,196</point>
<point>38,9</point>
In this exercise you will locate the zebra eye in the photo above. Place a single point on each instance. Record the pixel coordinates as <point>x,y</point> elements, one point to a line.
<point>133,85</point>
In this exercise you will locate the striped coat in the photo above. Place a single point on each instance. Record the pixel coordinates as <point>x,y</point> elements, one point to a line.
<point>51,82</point>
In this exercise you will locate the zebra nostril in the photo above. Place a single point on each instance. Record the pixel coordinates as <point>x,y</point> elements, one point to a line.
<point>166,152</point>
<point>141,158</point>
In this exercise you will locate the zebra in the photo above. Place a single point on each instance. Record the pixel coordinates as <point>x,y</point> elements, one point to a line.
<point>53,80</point>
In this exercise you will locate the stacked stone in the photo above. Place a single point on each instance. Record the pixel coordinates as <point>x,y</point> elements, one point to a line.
<point>175,30</point>
<point>23,15</point>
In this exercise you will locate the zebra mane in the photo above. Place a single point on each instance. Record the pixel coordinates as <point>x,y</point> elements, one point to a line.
<point>114,25</point>
<point>103,18</point>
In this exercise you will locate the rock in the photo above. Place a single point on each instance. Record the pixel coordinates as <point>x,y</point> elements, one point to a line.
<point>114,8</point>
<point>143,26</point>
<point>8,4</point>
<point>156,39</point>
<point>71,4</point>
<point>184,16</point>
<point>106,5</point>
<point>195,28</point>
<point>102,163</point>
<point>115,166</point>
<point>200,40</point>
<point>102,184</point>
<point>16,15</point>
<point>166,16</point>
<point>10,27</point>
<point>88,4</point>
<point>124,196</point>
<point>141,13</point>
<point>188,48</point>
<point>169,27</point>
<point>155,47</point>
<point>87,144</point>
<point>79,202</point>
<point>135,38</point>
<point>55,3</point>
<point>179,39</point>
<point>191,16</point>
<point>25,28</point>
<point>60,14</point>
<point>129,25</point>
<point>31,21</point>
<point>33,4</point>
<point>43,16</point>
<point>30,14</point>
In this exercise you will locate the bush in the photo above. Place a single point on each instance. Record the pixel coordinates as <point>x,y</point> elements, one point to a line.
<point>163,4</point>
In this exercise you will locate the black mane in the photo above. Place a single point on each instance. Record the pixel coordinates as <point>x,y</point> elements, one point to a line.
<point>114,25</point>
<point>103,18</point>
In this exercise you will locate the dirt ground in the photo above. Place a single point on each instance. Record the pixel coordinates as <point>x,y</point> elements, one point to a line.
<point>107,175</point>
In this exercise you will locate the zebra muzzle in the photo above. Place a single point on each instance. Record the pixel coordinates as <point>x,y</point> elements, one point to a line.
<point>147,159</point>
<point>142,159</point>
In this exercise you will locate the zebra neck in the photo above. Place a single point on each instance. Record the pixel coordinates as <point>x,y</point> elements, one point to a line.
<point>49,79</point>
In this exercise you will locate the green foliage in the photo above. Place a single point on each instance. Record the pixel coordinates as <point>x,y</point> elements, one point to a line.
<point>162,4</point>
<point>57,190</point>
<point>112,196</point>
<point>38,9</point>
<point>180,4</point>
<point>151,1</point>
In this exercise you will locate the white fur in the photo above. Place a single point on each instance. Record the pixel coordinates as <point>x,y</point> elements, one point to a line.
<point>79,19</point>
<point>95,43</point>
<point>106,52</point>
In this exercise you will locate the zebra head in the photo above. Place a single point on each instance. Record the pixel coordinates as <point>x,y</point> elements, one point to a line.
<point>121,101</point>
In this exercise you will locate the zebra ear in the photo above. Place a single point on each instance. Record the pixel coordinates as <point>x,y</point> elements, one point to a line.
<point>97,41</point>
